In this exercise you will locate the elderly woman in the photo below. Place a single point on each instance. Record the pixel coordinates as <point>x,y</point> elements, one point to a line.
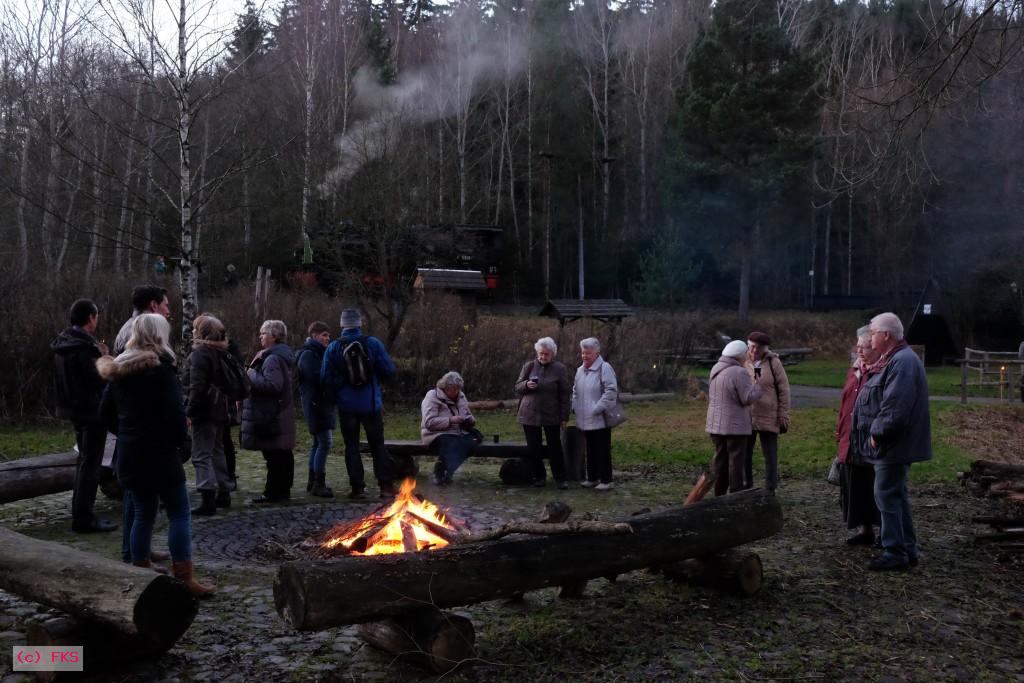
<point>445,426</point>
<point>543,388</point>
<point>857,475</point>
<point>206,405</point>
<point>769,416</point>
<point>595,391</point>
<point>143,406</point>
<point>731,393</point>
<point>268,415</point>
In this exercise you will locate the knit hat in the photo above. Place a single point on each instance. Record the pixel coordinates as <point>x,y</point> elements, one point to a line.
<point>760,338</point>
<point>350,319</point>
<point>735,349</point>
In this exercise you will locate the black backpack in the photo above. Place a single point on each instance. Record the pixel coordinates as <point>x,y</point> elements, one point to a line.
<point>356,367</point>
<point>236,382</point>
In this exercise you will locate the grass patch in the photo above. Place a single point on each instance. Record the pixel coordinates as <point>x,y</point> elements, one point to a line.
<point>669,433</point>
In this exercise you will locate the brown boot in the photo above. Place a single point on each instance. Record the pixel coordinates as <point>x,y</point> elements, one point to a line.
<point>183,572</point>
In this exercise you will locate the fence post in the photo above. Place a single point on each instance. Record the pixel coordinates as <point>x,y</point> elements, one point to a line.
<point>963,382</point>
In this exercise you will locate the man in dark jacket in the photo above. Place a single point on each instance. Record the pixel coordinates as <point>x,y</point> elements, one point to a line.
<point>892,416</point>
<point>316,407</point>
<point>359,399</point>
<point>79,389</point>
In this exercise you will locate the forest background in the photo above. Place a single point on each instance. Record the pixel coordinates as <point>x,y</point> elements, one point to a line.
<point>753,154</point>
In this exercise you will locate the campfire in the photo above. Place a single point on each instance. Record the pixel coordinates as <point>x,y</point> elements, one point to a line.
<point>408,524</point>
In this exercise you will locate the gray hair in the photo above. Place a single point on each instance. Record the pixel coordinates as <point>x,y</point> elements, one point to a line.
<point>864,332</point>
<point>276,329</point>
<point>888,322</point>
<point>546,343</point>
<point>451,379</point>
<point>591,343</point>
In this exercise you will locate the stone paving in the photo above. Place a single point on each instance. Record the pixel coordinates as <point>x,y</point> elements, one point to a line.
<point>238,635</point>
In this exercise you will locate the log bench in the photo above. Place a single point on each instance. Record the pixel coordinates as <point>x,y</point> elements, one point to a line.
<point>488,449</point>
<point>38,476</point>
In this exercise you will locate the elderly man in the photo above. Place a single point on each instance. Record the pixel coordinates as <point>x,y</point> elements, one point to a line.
<point>892,422</point>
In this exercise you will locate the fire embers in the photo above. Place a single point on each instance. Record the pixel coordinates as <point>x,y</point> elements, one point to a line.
<point>408,524</point>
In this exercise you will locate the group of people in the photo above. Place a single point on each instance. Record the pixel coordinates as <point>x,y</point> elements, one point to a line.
<point>883,426</point>
<point>748,400</point>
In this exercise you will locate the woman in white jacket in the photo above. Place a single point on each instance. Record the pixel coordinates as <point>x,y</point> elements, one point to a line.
<point>595,391</point>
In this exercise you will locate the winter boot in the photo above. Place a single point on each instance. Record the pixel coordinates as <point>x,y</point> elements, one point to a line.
<point>208,507</point>
<point>320,489</point>
<point>223,499</point>
<point>183,572</point>
<point>311,481</point>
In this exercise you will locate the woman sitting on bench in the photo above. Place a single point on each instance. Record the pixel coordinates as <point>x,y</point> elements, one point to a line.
<point>448,426</point>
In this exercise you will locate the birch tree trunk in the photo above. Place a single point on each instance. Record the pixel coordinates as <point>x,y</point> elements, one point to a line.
<point>189,281</point>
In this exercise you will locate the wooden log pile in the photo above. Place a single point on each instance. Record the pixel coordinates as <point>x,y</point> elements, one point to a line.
<point>1006,534</point>
<point>995,480</point>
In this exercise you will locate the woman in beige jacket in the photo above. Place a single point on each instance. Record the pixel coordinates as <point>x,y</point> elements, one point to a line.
<point>731,392</point>
<point>770,413</point>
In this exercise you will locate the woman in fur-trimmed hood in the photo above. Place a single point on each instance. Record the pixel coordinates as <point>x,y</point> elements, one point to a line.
<point>142,404</point>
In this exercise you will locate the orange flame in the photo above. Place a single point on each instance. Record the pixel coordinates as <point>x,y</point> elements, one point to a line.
<point>409,524</point>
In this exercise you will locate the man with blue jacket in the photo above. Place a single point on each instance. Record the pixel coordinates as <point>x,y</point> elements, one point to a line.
<point>892,417</point>
<point>351,372</point>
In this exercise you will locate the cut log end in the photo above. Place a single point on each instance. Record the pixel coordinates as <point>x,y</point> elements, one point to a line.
<point>730,571</point>
<point>428,638</point>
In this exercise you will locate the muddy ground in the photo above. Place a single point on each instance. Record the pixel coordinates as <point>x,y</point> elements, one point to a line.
<point>820,616</point>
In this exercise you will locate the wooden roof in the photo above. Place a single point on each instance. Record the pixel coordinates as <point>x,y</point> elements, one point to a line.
<point>444,278</point>
<point>566,310</point>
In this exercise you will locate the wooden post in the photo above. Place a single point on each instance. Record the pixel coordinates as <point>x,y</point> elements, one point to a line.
<point>963,381</point>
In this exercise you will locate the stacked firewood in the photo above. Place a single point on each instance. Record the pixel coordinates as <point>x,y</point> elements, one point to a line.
<point>995,480</point>
<point>1007,536</point>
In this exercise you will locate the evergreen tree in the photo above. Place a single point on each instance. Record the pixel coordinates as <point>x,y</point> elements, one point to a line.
<point>744,129</point>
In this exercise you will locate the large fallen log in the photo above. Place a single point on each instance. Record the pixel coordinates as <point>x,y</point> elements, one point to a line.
<point>139,603</point>
<point>39,476</point>
<point>319,594</point>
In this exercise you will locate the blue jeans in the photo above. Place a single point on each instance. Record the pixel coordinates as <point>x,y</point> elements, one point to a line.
<point>179,518</point>
<point>322,442</point>
<point>453,451</point>
<point>893,501</point>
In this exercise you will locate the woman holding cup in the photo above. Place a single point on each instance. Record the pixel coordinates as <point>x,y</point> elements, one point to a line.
<point>544,391</point>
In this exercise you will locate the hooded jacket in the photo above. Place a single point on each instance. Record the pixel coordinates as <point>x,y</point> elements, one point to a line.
<point>349,399</point>
<point>731,392</point>
<point>437,411</point>
<point>548,404</point>
<point>202,373</point>
<point>316,405</point>
<point>594,390</point>
<point>143,406</point>
<point>893,409</point>
<point>268,415</point>
<point>78,385</point>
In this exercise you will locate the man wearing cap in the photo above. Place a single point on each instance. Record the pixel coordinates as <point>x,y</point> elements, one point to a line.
<point>770,413</point>
<point>351,372</point>
<point>892,422</point>
<point>731,392</point>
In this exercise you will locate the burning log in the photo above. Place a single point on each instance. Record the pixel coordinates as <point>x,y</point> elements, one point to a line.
<point>39,476</point>
<point>731,570</point>
<point>319,594</point>
<point>428,638</point>
<point>144,606</point>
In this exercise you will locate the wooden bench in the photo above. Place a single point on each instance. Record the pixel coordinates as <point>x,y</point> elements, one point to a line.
<point>488,449</point>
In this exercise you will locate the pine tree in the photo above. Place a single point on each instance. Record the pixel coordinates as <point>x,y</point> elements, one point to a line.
<point>744,130</point>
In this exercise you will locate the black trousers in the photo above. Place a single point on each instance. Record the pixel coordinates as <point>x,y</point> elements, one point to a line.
<point>728,463</point>
<point>599,454</point>
<point>229,450</point>
<point>373,424</point>
<point>91,438</point>
<point>535,437</point>
<point>280,474</point>
<point>770,449</point>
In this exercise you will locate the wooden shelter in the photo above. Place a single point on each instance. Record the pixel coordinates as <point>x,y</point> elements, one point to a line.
<point>449,280</point>
<point>605,310</point>
<point>929,326</point>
